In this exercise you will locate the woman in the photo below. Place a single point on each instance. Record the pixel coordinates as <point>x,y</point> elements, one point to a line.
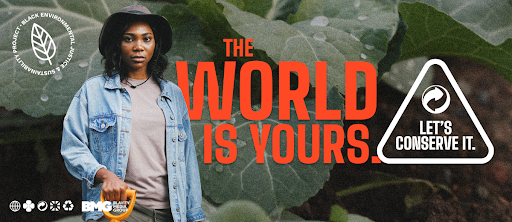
<point>130,128</point>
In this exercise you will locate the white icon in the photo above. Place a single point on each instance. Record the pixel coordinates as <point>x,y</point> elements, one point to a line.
<point>42,43</point>
<point>55,205</point>
<point>68,205</point>
<point>433,92</point>
<point>467,107</point>
<point>15,206</point>
<point>42,205</point>
<point>29,206</point>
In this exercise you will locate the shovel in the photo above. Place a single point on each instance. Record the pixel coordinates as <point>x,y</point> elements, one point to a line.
<point>118,218</point>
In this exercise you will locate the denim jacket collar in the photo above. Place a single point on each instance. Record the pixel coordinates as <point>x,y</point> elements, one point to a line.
<point>113,82</point>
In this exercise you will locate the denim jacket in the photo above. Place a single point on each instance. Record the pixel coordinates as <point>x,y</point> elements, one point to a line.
<point>96,135</point>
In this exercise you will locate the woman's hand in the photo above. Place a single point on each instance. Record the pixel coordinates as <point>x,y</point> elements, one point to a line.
<point>113,188</point>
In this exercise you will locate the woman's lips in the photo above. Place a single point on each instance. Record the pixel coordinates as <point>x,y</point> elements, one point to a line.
<point>138,59</point>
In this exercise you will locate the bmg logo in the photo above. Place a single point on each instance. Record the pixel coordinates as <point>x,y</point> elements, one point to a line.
<point>88,206</point>
<point>116,206</point>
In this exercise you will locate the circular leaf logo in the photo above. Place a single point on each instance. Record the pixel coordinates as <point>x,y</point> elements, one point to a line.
<point>47,43</point>
<point>42,43</point>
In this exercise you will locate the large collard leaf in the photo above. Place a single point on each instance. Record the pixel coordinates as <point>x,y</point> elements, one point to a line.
<point>274,184</point>
<point>368,13</point>
<point>270,185</point>
<point>403,74</point>
<point>187,40</point>
<point>330,37</point>
<point>260,8</point>
<point>281,9</point>
<point>433,33</point>
<point>42,94</point>
<point>215,27</point>
<point>269,9</point>
<point>492,20</point>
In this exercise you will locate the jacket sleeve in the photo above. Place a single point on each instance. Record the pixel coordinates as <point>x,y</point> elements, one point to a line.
<point>75,143</point>
<point>194,193</point>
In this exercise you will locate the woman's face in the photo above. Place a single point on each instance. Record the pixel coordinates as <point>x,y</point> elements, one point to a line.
<point>137,46</point>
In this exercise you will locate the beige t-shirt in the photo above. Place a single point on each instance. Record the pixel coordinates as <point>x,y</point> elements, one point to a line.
<point>146,171</point>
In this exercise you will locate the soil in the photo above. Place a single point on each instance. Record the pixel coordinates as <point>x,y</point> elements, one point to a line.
<point>479,192</point>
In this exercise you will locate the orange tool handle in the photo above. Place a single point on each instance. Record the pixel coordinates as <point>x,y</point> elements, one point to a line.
<point>118,218</point>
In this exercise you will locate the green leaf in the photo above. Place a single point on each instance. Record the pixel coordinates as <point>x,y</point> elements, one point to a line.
<point>208,208</point>
<point>384,179</point>
<point>338,214</point>
<point>240,210</point>
<point>337,38</point>
<point>491,20</point>
<point>261,7</point>
<point>365,13</point>
<point>290,217</point>
<point>287,216</point>
<point>281,9</point>
<point>215,27</point>
<point>358,218</point>
<point>434,33</point>
<point>38,95</point>
<point>268,184</point>
<point>404,73</point>
<point>416,195</point>
<point>394,50</point>
<point>187,40</point>
<point>269,9</point>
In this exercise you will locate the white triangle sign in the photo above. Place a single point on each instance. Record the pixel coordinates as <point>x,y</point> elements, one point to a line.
<point>468,109</point>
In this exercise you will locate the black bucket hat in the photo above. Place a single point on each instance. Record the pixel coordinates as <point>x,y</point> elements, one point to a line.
<point>117,21</point>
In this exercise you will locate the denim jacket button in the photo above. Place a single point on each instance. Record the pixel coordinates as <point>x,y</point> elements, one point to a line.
<point>103,125</point>
<point>175,186</point>
<point>172,116</point>
<point>174,139</point>
<point>174,163</point>
<point>178,209</point>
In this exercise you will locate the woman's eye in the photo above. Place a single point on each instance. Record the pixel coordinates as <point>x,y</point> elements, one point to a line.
<point>128,39</point>
<point>147,39</point>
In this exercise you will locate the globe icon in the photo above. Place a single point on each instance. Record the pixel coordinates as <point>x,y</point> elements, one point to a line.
<point>15,206</point>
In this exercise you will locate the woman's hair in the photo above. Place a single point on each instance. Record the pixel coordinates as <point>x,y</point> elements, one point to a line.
<point>112,58</point>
